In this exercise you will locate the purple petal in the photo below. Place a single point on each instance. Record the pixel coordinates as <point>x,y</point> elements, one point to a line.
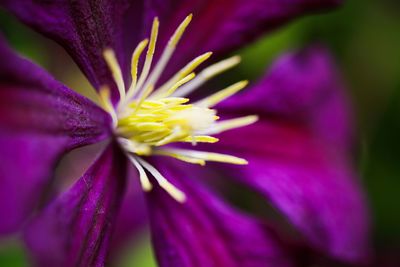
<point>75,229</point>
<point>313,185</point>
<point>299,152</point>
<point>204,231</point>
<point>302,88</point>
<point>40,119</point>
<point>132,218</point>
<point>224,25</point>
<point>84,28</point>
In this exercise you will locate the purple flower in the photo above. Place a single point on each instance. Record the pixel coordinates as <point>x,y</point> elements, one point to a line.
<point>292,128</point>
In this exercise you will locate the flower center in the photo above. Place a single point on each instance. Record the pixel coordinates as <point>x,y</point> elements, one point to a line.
<point>148,118</point>
<point>158,122</point>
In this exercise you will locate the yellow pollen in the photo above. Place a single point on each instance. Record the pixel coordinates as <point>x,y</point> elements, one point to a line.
<point>180,30</point>
<point>134,66</point>
<point>149,56</point>
<point>201,155</point>
<point>150,116</point>
<point>201,138</point>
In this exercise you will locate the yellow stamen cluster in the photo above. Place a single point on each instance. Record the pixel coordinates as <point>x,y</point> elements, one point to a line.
<point>159,122</point>
<point>147,117</point>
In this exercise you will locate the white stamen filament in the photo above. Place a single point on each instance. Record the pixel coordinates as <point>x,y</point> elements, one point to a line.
<point>105,100</point>
<point>174,192</point>
<point>144,180</point>
<point>115,69</point>
<point>221,95</point>
<point>184,72</point>
<point>230,124</point>
<point>172,89</point>
<point>207,74</point>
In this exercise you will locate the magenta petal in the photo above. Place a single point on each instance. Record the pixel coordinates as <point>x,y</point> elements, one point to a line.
<point>40,119</point>
<point>205,231</point>
<point>31,101</point>
<point>299,152</point>
<point>224,25</point>
<point>84,28</point>
<point>75,229</point>
<point>26,166</point>
<point>301,88</point>
<point>309,182</point>
<point>132,219</point>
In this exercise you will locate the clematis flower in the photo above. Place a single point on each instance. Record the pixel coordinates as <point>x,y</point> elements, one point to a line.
<point>289,136</point>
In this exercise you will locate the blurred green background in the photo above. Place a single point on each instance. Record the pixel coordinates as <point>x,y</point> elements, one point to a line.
<point>364,36</point>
